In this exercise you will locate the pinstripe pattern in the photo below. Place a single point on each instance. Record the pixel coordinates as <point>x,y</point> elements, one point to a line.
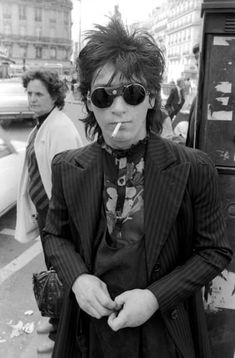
<point>175,176</point>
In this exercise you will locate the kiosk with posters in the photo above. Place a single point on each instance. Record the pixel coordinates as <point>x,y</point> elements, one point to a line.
<point>216,136</point>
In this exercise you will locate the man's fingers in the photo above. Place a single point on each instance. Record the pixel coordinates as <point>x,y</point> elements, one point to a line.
<point>112,316</point>
<point>92,296</point>
<point>98,305</point>
<point>117,321</point>
<point>105,300</point>
<point>112,321</point>
<point>92,312</point>
<point>95,308</point>
<point>121,299</point>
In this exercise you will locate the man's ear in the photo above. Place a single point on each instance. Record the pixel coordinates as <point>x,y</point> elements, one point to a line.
<point>88,103</point>
<point>151,102</point>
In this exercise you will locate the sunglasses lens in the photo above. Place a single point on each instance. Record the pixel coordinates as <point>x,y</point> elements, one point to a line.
<point>101,99</point>
<point>134,94</point>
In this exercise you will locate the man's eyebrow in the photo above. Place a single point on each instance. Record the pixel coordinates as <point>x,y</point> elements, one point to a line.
<point>37,93</point>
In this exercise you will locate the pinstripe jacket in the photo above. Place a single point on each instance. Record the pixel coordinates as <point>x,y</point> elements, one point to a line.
<point>184,233</point>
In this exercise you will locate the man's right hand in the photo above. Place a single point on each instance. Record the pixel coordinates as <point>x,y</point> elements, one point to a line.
<point>92,296</point>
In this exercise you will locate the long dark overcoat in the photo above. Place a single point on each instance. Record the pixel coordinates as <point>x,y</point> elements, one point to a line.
<point>184,236</point>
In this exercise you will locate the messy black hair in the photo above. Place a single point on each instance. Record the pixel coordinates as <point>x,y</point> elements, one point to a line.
<point>134,53</point>
<point>196,48</point>
<point>51,81</point>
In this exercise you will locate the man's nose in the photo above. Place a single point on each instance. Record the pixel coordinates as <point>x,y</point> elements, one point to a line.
<point>119,104</point>
<point>32,97</point>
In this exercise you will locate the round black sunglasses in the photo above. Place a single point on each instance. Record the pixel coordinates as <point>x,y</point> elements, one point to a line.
<point>133,94</point>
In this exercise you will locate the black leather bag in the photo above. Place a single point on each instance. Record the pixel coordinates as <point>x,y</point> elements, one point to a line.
<point>49,292</point>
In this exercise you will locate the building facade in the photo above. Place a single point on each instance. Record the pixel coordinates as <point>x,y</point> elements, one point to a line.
<point>176,26</point>
<point>35,32</point>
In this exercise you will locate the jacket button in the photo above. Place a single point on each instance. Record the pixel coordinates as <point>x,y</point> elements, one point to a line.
<point>157,268</point>
<point>174,314</point>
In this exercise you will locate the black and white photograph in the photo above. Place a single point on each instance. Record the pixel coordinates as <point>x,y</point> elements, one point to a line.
<point>117,179</point>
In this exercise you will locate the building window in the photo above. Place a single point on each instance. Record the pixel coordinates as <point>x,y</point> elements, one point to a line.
<point>7,29</point>
<point>189,34</point>
<point>22,30</point>
<point>53,53</point>
<point>22,12</point>
<point>38,31</point>
<point>23,51</point>
<point>38,52</point>
<point>67,54</point>
<point>66,33</point>
<point>6,11</point>
<point>52,32</point>
<point>53,17</point>
<point>38,14</point>
<point>66,18</point>
<point>9,50</point>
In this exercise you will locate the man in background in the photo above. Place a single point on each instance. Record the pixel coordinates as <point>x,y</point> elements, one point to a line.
<point>193,126</point>
<point>176,99</point>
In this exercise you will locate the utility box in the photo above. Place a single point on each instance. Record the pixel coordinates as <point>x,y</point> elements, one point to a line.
<point>215,113</point>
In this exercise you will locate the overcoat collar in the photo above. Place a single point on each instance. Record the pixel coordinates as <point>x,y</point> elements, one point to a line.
<point>51,120</point>
<point>165,182</point>
<point>84,198</point>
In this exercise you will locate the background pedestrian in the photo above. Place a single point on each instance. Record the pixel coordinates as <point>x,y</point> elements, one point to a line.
<point>53,133</point>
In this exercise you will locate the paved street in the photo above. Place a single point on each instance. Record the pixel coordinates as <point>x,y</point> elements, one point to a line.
<point>19,315</point>
<point>17,303</point>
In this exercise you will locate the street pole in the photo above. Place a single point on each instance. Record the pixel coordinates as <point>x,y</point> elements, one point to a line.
<point>80,26</point>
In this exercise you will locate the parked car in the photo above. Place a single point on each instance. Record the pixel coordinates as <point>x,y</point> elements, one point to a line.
<point>15,70</point>
<point>13,102</point>
<point>11,160</point>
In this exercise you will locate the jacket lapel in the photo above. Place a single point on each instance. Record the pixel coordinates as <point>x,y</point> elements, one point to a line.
<point>165,182</point>
<point>84,193</point>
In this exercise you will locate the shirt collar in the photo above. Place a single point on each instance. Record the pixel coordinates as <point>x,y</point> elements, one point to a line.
<point>42,118</point>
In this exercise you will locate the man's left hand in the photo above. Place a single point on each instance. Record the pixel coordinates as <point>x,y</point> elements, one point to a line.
<point>136,307</point>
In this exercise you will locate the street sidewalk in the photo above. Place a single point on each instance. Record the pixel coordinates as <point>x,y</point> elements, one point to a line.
<point>37,340</point>
<point>73,97</point>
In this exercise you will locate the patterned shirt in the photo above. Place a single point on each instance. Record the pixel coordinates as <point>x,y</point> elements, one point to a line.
<point>124,193</point>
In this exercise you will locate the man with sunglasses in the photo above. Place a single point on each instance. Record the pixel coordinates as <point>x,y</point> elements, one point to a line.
<point>135,226</point>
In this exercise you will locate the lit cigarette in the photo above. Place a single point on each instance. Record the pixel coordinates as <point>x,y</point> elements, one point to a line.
<point>116,129</point>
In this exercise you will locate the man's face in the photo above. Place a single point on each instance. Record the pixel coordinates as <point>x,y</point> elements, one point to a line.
<point>196,56</point>
<point>40,100</point>
<point>131,117</point>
